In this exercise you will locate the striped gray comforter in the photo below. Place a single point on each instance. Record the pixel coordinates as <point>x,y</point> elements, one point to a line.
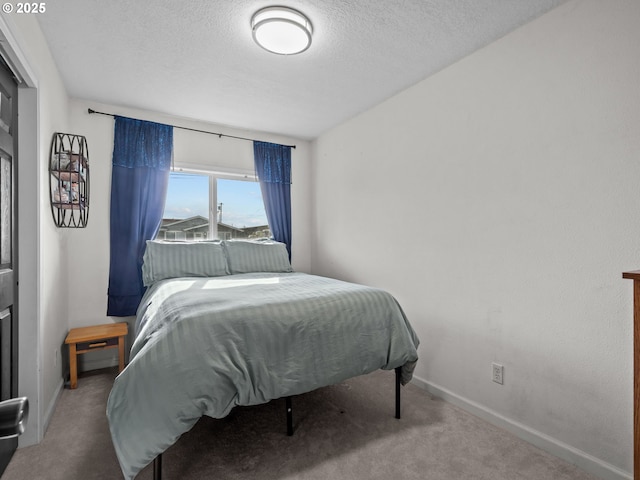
<point>205,345</point>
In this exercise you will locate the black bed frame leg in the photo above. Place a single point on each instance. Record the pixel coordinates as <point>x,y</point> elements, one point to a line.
<point>287,401</point>
<point>398,375</point>
<point>157,468</point>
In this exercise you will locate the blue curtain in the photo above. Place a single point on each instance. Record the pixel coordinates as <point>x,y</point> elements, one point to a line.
<point>273,167</point>
<point>142,154</point>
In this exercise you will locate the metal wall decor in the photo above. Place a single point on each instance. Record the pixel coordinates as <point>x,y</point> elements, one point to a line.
<point>69,180</point>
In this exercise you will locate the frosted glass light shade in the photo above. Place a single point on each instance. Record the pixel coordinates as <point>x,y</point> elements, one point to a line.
<point>281,30</point>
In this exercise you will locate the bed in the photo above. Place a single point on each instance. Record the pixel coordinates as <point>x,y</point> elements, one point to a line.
<point>224,324</point>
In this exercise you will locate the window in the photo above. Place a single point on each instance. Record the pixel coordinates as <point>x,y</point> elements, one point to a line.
<point>202,206</point>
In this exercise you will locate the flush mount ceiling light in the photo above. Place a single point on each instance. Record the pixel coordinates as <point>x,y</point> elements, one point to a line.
<point>281,30</point>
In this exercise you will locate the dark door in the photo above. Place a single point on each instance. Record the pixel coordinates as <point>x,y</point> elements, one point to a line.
<point>8,249</point>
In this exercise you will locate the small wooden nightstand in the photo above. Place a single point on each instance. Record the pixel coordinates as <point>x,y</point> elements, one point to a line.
<point>97,337</point>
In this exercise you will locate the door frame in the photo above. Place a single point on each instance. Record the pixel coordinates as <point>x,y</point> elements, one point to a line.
<point>29,257</point>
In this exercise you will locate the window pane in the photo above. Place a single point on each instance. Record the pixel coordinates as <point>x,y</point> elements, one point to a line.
<point>5,211</point>
<point>186,210</point>
<point>241,210</point>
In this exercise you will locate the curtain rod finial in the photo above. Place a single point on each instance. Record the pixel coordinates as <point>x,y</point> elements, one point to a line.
<point>89,110</point>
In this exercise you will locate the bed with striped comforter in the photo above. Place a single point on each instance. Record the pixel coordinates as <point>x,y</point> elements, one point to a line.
<point>204,345</point>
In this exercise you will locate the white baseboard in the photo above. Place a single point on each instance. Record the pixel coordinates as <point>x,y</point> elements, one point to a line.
<point>98,360</point>
<point>48,413</point>
<point>587,462</point>
<point>98,364</point>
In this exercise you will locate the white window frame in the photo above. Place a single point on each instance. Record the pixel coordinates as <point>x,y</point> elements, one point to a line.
<point>215,173</point>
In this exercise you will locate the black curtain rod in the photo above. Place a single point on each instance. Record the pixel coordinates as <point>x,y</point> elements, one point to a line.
<point>90,110</point>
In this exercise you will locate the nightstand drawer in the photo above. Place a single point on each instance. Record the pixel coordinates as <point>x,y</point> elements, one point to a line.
<point>97,344</point>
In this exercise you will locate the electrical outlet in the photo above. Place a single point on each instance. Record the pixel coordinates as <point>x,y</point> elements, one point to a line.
<point>498,373</point>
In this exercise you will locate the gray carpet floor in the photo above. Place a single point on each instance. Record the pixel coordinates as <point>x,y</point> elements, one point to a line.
<point>345,431</point>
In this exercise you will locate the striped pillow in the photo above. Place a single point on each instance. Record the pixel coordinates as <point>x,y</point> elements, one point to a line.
<point>163,260</point>
<point>246,256</point>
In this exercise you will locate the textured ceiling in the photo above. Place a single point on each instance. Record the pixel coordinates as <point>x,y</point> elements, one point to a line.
<point>197,59</point>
